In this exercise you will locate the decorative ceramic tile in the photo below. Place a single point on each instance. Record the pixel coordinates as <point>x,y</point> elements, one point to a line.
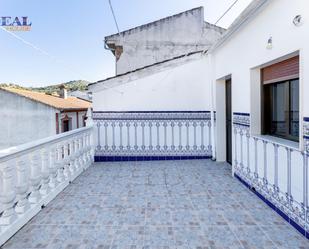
<point>125,135</point>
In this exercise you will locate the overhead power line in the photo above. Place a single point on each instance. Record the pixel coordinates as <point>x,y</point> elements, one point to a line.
<point>229,8</point>
<point>44,52</point>
<point>114,16</point>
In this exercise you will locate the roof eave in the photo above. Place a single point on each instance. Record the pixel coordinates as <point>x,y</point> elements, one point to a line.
<point>248,14</point>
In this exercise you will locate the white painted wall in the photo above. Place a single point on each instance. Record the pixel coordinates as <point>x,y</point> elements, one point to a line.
<point>182,88</point>
<point>164,39</point>
<point>242,56</point>
<point>23,120</point>
<point>73,116</point>
<point>246,50</point>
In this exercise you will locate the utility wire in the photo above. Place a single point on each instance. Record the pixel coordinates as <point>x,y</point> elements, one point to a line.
<point>43,52</point>
<point>114,16</point>
<point>172,69</point>
<point>231,6</point>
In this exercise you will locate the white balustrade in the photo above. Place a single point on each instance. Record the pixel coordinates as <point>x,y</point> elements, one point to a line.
<point>32,174</point>
<point>277,171</point>
<point>145,134</point>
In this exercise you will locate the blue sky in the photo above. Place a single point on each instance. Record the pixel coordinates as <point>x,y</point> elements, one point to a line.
<point>72,32</point>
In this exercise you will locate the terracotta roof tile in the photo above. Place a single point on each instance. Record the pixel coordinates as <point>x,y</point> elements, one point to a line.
<point>53,101</point>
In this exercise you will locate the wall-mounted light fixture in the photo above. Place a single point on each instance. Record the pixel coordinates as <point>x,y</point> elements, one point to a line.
<point>270,43</point>
<point>298,21</point>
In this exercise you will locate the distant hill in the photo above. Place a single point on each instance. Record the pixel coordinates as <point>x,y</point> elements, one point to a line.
<point>74,85</point>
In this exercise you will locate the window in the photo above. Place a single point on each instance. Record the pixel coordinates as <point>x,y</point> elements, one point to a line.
<point>281,109</point>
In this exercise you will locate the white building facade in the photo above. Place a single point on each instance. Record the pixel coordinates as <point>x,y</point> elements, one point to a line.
<point>244,100</point>
<point>28,116</point>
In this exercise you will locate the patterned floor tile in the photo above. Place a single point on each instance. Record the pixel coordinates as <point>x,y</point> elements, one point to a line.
<point>157,205</point>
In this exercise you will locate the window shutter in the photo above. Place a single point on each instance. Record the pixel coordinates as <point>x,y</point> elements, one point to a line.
<point>281,71</point>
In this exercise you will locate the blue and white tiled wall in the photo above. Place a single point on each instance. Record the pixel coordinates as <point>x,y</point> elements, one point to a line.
<point>269,170</point>
<point>156,135</point>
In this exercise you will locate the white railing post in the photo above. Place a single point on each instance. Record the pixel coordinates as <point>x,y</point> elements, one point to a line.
<point>35,177</point>
<point>7,193</point>
<point>84,151</point>
<point>53,167</point>
<point>22,186</point>
<point>305,184</point>
<point>66,161</point>
<point>32,174</point>
<point>59,156</point>
<point>289,178</point>
<point>71,157</point>
<point>75,156</point>
<point>80,152</point>
<point>44,190</point>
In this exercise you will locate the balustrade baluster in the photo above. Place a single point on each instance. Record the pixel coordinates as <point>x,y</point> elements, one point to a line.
<point>256,175</point>
<point>128,135</point>
<point>113,136</point>
<point>135,136</point>
<point>289,176</point>
<point>72,162</point>
<point>209,137</point>
<point>44,190</point>
<point>22,185</point>
<point>173,135</point>
<point>89,147</point>
<point>188,140</point>
<point>241,150</point>
<point>121,145</point>
<point>248,153</point>
<point>7,193</point>
<point>60,163</point>
<point>66,161</point>
<point>235,145</point>
<point>158,135</point>
<point>276,183</point>
<point>143,135</point>
<point>99,147</point>
<point>106,138</point>
<point>265,181</point>
<point>53,167</point>
<point>165,135</point>
<point>85,149</point>
<point>80,152</point>
<point>194,136</point>
<point>76,163</point>
<point>150,135</point>
<point>202,135</point>
<point>35,177</point>
<point>305,183</point>
<point>180,135</point>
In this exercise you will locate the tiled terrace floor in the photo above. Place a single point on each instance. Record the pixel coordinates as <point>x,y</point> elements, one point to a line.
<point>170,204</point>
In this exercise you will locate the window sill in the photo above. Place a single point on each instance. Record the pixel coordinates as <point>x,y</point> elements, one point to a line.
<point>280,141</point>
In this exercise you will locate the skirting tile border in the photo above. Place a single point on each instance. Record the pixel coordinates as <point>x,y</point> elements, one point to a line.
<point>146,158</point>
<point>272,206</point>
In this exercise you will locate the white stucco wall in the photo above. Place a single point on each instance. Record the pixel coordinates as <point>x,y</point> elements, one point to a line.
<point>182,88</point>
<point>23,120</point>
<point>73,117</point>
<point>164,39</point>
<point>246,49</point>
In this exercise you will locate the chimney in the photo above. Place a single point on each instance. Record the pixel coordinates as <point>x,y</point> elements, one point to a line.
<point>63,92</point>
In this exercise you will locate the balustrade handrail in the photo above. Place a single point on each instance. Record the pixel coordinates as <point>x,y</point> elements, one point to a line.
<point>268,140</point>
<point>9,153</point>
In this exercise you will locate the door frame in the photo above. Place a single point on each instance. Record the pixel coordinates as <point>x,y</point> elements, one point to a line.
<point>229,129</point>
<point>221,136</point>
